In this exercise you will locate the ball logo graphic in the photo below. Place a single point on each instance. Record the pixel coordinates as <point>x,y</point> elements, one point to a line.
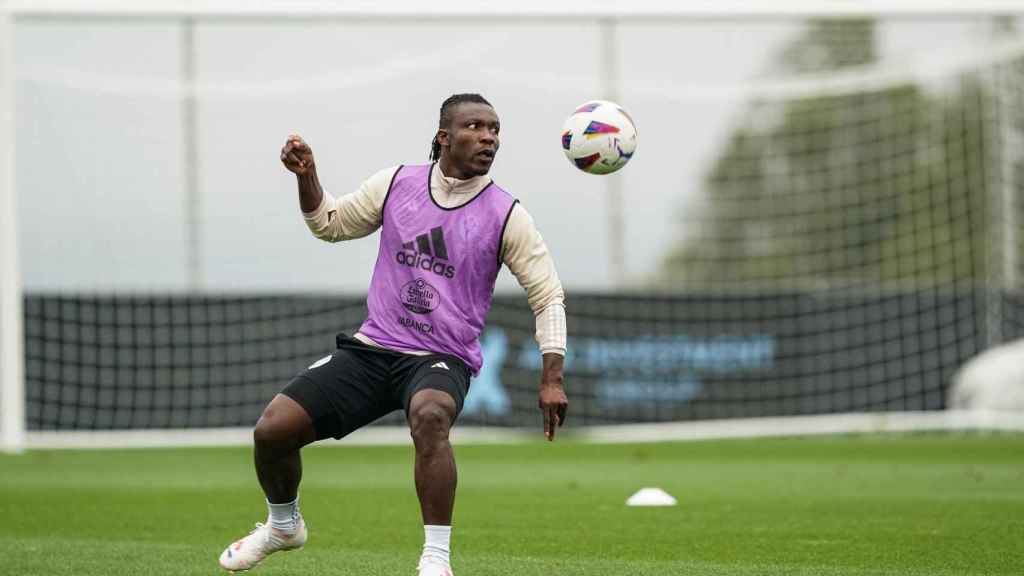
<point>599,137</point>
<point>419,297</point>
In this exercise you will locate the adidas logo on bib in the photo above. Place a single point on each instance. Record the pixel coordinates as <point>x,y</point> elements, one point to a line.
<point>427,253</point>
<point>440,365</point>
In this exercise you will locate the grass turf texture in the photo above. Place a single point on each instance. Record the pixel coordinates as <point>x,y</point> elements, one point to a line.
<point>903,505</point>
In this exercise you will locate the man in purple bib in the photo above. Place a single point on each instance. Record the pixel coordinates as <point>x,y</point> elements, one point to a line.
<point>446,230</point>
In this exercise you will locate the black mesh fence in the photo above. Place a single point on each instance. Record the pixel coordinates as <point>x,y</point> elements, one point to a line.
<point>127,362</point>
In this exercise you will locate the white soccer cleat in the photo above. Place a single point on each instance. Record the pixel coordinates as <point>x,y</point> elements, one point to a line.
<point>429,567</point>
<point>246,553</point>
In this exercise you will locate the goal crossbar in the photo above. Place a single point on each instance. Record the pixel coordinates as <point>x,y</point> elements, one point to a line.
<point>540,10</point>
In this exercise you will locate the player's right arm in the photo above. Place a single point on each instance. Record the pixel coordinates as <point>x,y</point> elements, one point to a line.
<point>335,219</point>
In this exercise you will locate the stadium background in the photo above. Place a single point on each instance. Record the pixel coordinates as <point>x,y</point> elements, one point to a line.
<point>823,217</point>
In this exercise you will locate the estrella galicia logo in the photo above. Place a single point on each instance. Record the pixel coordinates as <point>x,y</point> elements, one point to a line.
<point>419,297</point>
<point>427,253</point>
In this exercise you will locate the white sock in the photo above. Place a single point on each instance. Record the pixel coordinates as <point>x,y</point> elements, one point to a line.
<point>437,544</point>
<point>284,517</point>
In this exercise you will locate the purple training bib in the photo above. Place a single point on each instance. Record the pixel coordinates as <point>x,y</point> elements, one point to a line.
<point>435,272</point>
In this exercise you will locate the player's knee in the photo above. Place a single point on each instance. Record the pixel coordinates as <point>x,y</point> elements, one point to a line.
<point>273,429</point>
<point>284,425</point>
<point>429,422</point>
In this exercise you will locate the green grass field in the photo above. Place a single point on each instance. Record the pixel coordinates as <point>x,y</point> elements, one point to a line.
<point>922,505</point>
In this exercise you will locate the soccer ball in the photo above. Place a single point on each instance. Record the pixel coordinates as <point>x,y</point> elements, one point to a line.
<point>599,137</point>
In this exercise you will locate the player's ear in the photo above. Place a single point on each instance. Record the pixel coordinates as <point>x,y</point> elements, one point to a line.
<point>442,137</point>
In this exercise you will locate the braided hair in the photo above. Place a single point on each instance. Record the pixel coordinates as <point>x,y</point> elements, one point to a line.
<point>446,117</point>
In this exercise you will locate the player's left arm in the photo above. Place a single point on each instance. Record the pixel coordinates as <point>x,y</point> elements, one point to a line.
<point>527,257</point>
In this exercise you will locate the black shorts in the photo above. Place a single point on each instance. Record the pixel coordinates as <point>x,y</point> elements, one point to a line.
<point>359,383</point>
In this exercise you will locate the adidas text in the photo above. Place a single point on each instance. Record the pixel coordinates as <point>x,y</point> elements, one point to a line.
<point>425,262</point>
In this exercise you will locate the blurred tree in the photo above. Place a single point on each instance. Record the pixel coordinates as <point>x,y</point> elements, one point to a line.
<point>876,186</point>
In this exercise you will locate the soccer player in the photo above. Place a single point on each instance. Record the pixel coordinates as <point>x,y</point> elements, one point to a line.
<point>446,229</point>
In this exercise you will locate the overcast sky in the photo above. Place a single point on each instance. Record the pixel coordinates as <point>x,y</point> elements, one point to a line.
<point>100,159</point>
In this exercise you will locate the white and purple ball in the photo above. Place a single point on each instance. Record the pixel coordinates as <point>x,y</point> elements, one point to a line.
<point>599,137</point>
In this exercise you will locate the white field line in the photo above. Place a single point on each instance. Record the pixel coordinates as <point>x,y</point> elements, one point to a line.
<point>861,423</point>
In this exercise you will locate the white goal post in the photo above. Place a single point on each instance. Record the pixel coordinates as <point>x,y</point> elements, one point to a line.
<point>12,396</point>
<point>13,435</point>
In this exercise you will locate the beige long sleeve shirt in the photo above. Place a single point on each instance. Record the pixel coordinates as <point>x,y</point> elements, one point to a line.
<point>523,249</point>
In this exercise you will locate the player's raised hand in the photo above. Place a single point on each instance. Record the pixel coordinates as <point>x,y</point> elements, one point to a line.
<point>297,156</point>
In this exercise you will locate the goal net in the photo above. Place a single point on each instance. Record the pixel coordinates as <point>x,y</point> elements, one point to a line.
<point>823,215</point>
